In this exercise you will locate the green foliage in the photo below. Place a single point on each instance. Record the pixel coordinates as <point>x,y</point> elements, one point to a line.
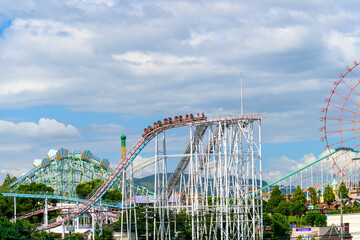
<point>275,199</point>
<point>329,195</point>
<point>44,235</point>
<point>24,205</point>
<point>284,208</point>
<point>107,234</point>
<point>280,226</point>
<point>299,195</point>
<point>310,218</point>
<point>314,199</point>
<point>77,236</point>
<point>320,221</point>
<point>83,190</point>
<point>113,195</point>
<point>8,180</point>
<point>298,207</point>
<point>19,229</point>
<point>343,191</point>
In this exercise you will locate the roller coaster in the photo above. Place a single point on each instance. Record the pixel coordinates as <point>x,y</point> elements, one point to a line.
<point>222,160</point>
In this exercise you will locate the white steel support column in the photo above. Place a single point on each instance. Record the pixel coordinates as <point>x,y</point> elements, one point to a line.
<point>261,233</point>
<point>77,220</point>
<point>101,217</point>
<point>156,194</point>
<point>93,220</point>
<point>15,208</point>
<point>46,218</point>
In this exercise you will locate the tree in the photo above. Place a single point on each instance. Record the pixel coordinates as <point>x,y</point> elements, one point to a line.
<point>310,218</point>
<point>280,226</point>
<point>318,193</point>
<point>314,199</point>
<point>329,195</point>
<point>275,199</point>
<point>320,221</point>
<point>8,180</point>
<point>284,208</point>
<point>343,191</point>
<point>298,207</point>
<point>83,190</point>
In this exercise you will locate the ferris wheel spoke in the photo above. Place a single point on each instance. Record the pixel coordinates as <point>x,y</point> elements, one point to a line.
<point>343,130</point>
<point>342,120</point>
<point>354,75</point>
<point>346,98</point>
<point>344,109</point>
<point>330,145</point>
<point>352,89</point>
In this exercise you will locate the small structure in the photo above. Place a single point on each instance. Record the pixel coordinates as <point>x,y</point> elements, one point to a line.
<point>351,222</point>
<point>335,233</point>
<point>309,232</point>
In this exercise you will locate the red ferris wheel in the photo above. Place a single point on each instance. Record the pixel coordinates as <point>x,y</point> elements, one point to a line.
<point>342,119</point>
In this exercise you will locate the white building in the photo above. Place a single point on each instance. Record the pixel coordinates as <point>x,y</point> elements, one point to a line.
<point>353,220</point>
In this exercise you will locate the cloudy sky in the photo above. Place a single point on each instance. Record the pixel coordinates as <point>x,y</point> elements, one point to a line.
<point>79,73</point>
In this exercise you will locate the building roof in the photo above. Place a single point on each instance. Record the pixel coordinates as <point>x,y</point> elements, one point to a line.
<point>334,233</point>
<point>334,182</point>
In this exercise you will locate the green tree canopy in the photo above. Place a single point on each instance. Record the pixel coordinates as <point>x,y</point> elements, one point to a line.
<point>314,199</point>
<point>275,199</point>
<point>280,227</point>
<point>320,221</point>
<point>343,191</point>
<point>299,195</point>
<point>329,195</point>
<point>83,190</point>
<point>298,207</point>
<point>8,180</point>
<point>284,208</point>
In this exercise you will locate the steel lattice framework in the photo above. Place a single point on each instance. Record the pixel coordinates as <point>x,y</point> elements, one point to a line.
<point>64,170</point>
<point>218,178</point>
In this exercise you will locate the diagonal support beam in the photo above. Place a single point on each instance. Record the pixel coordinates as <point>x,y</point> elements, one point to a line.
<point>180,169</point>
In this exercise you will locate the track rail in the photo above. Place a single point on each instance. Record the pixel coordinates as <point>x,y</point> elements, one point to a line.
<point>309,165</point>
<point>135,150</point>
<point>42,210</point>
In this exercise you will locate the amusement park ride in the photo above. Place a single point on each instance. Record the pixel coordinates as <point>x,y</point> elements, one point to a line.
<point>222,162</point>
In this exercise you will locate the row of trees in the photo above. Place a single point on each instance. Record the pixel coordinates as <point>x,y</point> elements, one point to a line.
<point>279,207</point>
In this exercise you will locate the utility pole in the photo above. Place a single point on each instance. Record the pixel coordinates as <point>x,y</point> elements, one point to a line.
<point>15,208</point>
<point>341,217</point>
<point>147,222</point>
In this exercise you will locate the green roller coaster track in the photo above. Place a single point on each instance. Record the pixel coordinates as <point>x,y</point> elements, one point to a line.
<point>311,164</point>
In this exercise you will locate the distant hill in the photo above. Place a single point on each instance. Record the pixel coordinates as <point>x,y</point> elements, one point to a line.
<point>149,181</point>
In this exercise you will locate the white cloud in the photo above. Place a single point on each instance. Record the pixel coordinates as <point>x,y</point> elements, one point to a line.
<point>284,166</point>
<point>13,88</point>
<point>45,40</point>
<point>45,128</point>
<point>143,166</point>
<point>343,47</point>
<point>165,58</point>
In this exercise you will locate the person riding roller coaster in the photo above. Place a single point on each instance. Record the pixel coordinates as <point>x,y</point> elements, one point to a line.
<point>169,121</point>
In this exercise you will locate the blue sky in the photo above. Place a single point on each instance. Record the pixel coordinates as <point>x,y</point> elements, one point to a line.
<point>80,73</point>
